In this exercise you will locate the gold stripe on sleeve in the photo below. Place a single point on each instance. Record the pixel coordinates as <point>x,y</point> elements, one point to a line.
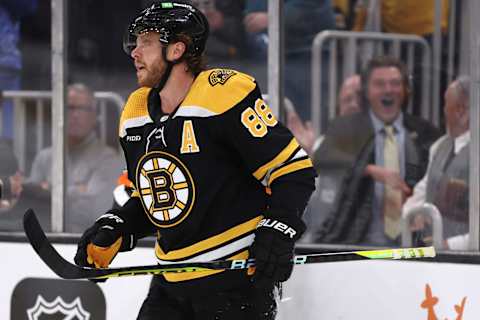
<point>294,166</point>
<point>278,160</point>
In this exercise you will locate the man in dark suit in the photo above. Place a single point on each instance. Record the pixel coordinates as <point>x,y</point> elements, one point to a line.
<point>369,161</point>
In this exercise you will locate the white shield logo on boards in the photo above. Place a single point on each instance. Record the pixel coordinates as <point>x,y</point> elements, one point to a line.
<point>72,311</point>
<point>57,299</point>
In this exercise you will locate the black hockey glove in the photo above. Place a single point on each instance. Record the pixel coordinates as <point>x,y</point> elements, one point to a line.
<point>101,242</point>
<point>273,249</point>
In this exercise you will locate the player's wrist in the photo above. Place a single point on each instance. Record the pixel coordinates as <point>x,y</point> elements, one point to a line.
<point>290,227</point>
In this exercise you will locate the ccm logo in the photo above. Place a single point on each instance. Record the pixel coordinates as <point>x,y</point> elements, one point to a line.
<point>277,225</point>
<point>134,138</point>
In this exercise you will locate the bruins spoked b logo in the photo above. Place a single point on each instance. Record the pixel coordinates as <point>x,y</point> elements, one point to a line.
<point>166,188</point>
<point>220,76</point>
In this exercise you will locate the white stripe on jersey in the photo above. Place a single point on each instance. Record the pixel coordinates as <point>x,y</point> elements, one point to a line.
<point>194,111</point>
<point>219,253</point>
<point>133,123</point>
<point>120,195</point>
<point>300,153</point>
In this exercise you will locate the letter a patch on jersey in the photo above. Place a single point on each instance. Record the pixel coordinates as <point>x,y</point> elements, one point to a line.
<point>189,142</point>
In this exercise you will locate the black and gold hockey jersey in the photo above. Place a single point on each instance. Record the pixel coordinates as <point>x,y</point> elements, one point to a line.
<point>206,173</point>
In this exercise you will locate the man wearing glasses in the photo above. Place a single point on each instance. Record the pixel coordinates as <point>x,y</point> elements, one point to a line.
<point>92,167</point>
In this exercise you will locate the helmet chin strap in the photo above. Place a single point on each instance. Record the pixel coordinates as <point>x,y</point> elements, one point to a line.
<point>170,65</point>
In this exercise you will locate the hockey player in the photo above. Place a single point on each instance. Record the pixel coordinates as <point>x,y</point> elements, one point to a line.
<point>215,176</point>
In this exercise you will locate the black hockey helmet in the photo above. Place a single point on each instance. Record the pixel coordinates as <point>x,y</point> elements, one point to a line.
<point>170,19</point>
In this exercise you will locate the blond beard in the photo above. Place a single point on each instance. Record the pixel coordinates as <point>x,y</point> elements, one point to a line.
<point>149,81</point>
<point>153,76</point>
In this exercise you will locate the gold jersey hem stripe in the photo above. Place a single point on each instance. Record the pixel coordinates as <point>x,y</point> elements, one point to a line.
<point>176,277</point>
<point>209,243</point>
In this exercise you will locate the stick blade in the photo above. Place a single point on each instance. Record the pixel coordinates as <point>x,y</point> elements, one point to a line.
<point>40,243</point>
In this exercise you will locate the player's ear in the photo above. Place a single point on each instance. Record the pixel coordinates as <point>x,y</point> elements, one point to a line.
<point>176,51</point>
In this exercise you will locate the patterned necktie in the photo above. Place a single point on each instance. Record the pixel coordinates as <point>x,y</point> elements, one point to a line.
<point>392,200</point>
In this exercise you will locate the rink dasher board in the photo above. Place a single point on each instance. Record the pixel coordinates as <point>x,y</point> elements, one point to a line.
<point>338,290</point>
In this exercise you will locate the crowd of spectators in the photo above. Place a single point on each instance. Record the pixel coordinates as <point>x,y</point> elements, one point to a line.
<point>239,38</point>
<point>352,203</point>
<point>368,161</point>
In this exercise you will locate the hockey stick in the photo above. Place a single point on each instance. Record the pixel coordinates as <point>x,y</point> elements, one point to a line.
<point>67,270</point>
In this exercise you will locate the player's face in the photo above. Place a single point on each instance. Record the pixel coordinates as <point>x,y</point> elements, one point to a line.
<point>148,60</point>
<point>386,93</point>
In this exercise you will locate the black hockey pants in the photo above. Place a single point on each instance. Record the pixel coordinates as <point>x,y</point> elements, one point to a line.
<point>241,303</point>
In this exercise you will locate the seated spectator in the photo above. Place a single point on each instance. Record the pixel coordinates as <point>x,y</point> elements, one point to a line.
<point>369,161</point>
<point>348,103</point>
<point>445,184</point>
<point>303,19</point>
<point>91,166</point>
